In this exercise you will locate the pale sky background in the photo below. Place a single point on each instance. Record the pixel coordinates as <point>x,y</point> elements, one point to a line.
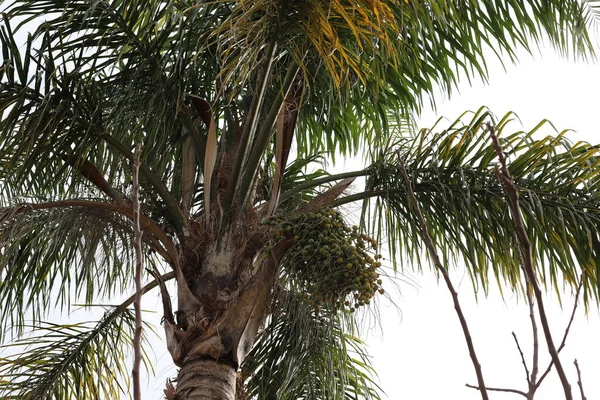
<point>419,350</point>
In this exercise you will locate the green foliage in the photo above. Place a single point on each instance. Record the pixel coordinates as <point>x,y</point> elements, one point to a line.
<point>97,77</point>
<point>86,260</point>
<point>307,354</point>
<point>297,172</point>
<point>452,172</point>
<point>144,59</point>
<point>61,362</point>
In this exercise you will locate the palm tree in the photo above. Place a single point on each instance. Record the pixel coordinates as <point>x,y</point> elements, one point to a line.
<point>237,106</point>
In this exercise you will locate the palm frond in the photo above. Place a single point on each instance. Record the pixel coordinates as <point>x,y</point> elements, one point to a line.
<point>416,49</point>
<point>307,353</point>
<point>80,360</point>
<point>98,77</point>
<point>467,210</point>
<point>51,257</point>
<point>67,104</point>
<point>592,15</point>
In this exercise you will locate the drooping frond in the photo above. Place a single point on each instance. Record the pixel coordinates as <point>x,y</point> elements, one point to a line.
<point>82,360</point>
<point>308,353</point>
<point>85,259</point>
<point>386,56</point>
<point>89,84</point>
<point>592,15</point>
<point>467,211</point>
<point>97,77</point>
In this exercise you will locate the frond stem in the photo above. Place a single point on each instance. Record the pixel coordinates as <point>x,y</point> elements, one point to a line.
<point>146,223</point>
<point>262,138</point>
<point>361,196</point>
<point>320,181</point>
<point>198,139</point>
<point>249,130</point>
<point>163,192</point>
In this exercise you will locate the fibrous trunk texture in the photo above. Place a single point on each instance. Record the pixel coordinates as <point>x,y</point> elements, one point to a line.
<point>223,298</point>
<point>206,379</point>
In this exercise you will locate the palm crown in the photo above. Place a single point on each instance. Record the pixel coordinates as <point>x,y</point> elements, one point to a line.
<point>235,105</point>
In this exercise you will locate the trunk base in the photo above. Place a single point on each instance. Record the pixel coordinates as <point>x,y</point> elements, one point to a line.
<point>206,379</point>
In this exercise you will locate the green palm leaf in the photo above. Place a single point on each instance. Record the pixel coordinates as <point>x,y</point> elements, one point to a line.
<point>308,353</point>
<point>81,360</point>
<point>86,262</point>
<point>467,210</point>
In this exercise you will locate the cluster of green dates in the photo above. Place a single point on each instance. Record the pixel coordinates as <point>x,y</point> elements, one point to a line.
<point>335,263</point>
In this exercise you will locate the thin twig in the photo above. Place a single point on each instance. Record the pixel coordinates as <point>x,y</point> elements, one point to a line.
<point>536,345</point>
<point>522,358</point>
<point>137,239</point>
<point>579,380</point>
<point>491,389</point>
<point>438,264</point>
<point>513,196</point>
<point>567,330</point>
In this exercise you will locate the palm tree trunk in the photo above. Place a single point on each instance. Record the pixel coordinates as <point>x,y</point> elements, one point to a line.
<point>206,379</point>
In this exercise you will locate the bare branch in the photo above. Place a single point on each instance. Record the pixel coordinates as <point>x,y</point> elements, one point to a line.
<point>579,380</point>
<point>536,345</point>
<point>438,264</point>
<point>564,339</point>
<point>513,197</point>
<point>522,358</point>
<point>491,389</point>
<point>137,303</point>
